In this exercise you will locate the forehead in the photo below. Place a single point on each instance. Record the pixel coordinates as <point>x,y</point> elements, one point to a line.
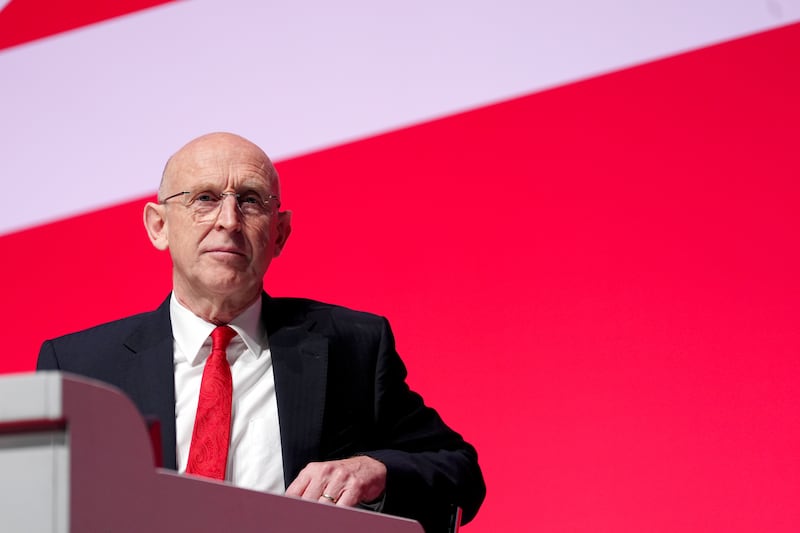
<point>220,165</point>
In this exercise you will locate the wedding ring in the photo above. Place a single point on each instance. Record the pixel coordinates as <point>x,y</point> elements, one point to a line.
<point>328,497</point>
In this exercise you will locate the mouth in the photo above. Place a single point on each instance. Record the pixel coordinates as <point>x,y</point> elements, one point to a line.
<point>225,252</point>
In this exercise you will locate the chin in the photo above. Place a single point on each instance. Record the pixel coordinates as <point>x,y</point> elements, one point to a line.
<point>234,286</point>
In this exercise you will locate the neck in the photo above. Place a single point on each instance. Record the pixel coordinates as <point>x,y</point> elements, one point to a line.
<point>217,311</point>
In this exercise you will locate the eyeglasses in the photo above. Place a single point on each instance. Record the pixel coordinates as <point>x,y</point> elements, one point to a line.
<point>205,206</point>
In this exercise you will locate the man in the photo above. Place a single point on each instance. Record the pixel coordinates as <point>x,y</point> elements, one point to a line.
<point>316,402</point>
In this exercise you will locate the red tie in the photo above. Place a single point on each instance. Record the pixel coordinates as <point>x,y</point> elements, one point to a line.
<point>208,453</point>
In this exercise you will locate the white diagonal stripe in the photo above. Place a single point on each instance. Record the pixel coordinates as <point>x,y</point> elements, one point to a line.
<point>90,116</point>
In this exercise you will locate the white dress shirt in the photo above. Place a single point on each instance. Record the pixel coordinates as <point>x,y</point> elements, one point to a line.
<point>255,459</point>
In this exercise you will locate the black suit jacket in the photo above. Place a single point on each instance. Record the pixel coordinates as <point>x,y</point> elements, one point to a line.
<point>340,388</point>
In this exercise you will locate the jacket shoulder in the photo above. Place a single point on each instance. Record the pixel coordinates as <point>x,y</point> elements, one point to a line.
<point>298,310</point>
<point>117,330</point>
<point>100,345</point>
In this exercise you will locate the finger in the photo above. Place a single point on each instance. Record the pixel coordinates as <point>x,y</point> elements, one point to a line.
<point>328,497</point>
<point>332,493</point>
<point>307,485</point>
<point>313,490</point>
<point>348,498</point>
<point>298,486</point>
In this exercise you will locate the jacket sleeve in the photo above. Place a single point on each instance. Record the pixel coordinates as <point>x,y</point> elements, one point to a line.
<point>430,468</point>
<point>47,357</point>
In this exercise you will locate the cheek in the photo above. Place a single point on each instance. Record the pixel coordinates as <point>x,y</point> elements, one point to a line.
<point>184,243</point>
<point>262,239</point>
<point>263,249</point>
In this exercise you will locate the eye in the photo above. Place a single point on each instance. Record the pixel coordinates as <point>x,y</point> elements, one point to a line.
<point>206,198</point>
<point>250,198</point>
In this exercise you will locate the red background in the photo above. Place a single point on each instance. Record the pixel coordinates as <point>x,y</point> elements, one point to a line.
<point>597,285</point>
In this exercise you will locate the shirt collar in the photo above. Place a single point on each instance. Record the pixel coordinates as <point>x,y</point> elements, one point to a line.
<point>191,332</point>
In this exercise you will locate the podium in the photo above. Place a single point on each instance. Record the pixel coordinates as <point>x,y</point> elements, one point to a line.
<point>75,456</point>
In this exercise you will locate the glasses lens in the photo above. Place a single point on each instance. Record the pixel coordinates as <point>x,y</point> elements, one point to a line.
<point>206,206</point>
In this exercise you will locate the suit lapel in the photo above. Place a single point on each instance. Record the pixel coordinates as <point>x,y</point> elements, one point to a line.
<point>148,375</point>
<point>300,364</point>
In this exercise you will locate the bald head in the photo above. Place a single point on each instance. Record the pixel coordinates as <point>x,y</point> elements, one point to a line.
<point>215,148</point>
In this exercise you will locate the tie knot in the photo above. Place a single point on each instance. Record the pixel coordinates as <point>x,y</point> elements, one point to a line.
<point>220,338</point>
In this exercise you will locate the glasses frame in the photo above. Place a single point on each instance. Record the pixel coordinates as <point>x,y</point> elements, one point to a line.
<point>221,197</point>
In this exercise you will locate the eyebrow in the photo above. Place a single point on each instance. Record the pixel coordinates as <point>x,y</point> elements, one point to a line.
<point>247,185</point>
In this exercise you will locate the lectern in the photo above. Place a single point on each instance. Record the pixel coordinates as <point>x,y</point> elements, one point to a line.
<point>75,456</point>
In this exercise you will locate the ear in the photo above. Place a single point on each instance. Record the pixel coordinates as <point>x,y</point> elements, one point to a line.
<point>156,225</point>
<point>284,229</point>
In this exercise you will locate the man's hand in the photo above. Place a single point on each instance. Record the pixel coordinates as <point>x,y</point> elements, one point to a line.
<point>346,482</point>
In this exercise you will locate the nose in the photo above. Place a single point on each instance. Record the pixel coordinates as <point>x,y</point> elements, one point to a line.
<point>229,214</point>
